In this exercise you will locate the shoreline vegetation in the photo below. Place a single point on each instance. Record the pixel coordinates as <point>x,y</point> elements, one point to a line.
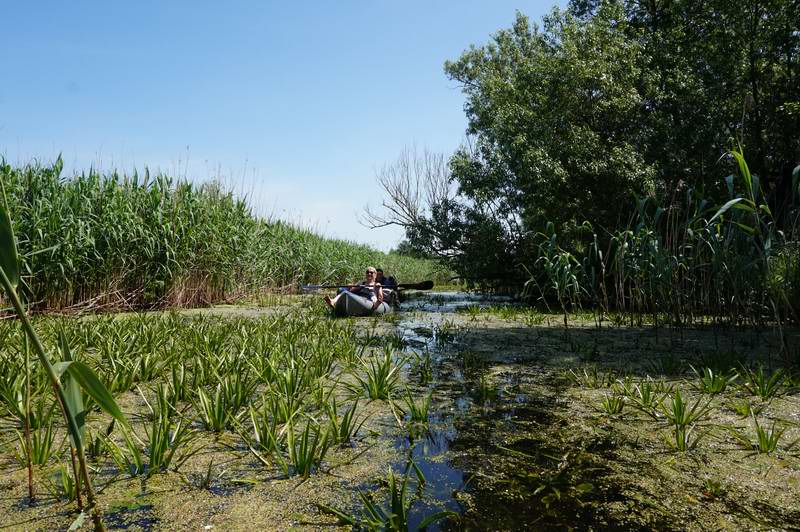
<point>123,242</point>
<point>630,175</point>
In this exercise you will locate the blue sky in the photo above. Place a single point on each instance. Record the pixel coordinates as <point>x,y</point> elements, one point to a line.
<point>294,103</point>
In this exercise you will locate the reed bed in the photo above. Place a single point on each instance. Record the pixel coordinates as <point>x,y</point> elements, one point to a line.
<point>685,263</point>
<point>142,241</point>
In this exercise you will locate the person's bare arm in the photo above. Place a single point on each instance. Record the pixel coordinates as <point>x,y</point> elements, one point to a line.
<point>379,296</point>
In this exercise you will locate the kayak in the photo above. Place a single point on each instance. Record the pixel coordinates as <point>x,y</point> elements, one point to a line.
<point>351,304</point>
<point>393,297</point>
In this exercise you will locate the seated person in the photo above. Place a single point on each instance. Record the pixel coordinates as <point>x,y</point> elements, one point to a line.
<point>368,288</point>
<point>386,282</point>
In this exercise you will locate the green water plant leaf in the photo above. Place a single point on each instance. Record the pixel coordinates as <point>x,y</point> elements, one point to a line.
<point>9,259</point>
<point>72,390</point>
<point>87,379</point>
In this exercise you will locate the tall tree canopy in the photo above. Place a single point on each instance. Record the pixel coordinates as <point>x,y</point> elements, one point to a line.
<point>608,100</point>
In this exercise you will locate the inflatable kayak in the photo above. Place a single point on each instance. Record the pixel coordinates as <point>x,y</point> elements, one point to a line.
<point>351,304</point>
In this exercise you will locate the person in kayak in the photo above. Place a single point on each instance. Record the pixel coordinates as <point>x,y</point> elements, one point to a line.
<point>368,288</point>
<point>385,282</point>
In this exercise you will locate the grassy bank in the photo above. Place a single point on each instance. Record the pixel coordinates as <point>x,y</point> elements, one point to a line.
<point>111,240</point>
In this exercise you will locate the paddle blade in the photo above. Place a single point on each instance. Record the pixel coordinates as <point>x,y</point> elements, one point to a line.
<point>425,285</point>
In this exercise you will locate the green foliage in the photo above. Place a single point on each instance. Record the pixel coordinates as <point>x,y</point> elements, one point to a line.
<point>618,113</point>
<point>711,382</point>
<point>590,377</point>
<point>682,438</point>
<point>417,411</point>
<point>395,516</point>
<point>745,408</point>
<point>380,377</point>
<point>679,413</point>
<point>647,396</point>
<point>62,485</point>
<point>612,404</point>
<point>145,241</point>
<point>41,447</point>
<point>343,429</point>
<point>683,419</point>
<point>78,377</point>
<point>763,386</point>
<point>766,440</point>
<point>306,451</point>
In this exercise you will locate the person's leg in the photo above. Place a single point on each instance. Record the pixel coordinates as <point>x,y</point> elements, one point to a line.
<point>332,301</point>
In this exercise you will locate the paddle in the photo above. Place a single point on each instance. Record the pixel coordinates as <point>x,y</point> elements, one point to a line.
<point>424,285</point>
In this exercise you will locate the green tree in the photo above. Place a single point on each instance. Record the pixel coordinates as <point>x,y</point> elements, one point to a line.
<point>609,101</point>
<point>556,115</point>
<point>717,73</point>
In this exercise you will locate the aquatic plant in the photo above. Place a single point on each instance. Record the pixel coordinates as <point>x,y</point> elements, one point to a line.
<point>612,404</point>
<point>680,414</point>
<point>304,453</point>
<point>69,378</point>
<point>766,440</point>
<point>344,428</point>
<point>380,377</point>
<point>268,434</point>
<point>166,446</point>
<point>147,240</point>
<point>39,448</point>
<point>745,408</point>
<point>682,437</point>
<point>417,411</point>
<point>624,386</point>
<point>713,382</point>
<point>590,377</point>
<point>713,489</point>
<point>646,395</point>
<point>759,384</point>
<point>487,390</point>
<point>213,409</point>
<point>62,485</point>
<point>394,517</point>
<point>423,367</point>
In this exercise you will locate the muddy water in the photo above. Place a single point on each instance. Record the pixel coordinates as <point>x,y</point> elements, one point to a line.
<point>511,446</point>
<point>462,411</point>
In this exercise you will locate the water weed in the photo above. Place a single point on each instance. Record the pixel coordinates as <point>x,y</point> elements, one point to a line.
<point>380,377</point>
<point>343,429</point>
<point>766,440</point>
<point>612,404</point>
<point>682,438</point>
<point>679,413</point>
<point>590,377</point>
<point>713,382</point>
<point>305,452</point>
<point>395,516</point>
<point>41,448</point>
<point>745,408</point>
<point>61,485</point>
<point>417,411</point>
<point>761,385</point>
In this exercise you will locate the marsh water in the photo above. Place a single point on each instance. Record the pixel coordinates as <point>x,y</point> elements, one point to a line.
<point>518,434</point>
<point>475,404</point>
<point>510,445</point>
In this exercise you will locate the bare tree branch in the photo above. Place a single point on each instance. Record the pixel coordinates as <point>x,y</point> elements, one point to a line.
<point>413,184</point>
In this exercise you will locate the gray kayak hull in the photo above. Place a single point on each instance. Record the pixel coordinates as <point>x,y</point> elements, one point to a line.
<point>351,304</point>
